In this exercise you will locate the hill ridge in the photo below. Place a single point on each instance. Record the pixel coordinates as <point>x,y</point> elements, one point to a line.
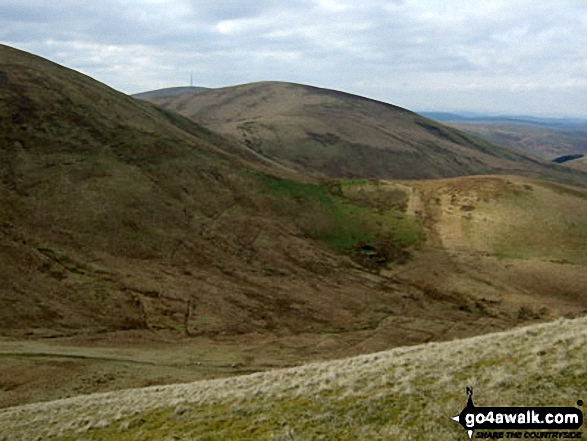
<point>336,134</point>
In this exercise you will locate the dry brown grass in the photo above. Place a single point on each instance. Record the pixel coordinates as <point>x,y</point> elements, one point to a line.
<point>503,240</point>
<point>456,285</point>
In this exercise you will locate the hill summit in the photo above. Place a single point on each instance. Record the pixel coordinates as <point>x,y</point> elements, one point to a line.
<point>335,134</point>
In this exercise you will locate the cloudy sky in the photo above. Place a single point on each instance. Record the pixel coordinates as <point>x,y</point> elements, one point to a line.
<point>497,56</point>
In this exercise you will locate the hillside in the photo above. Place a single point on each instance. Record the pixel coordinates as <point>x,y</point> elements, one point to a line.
<point>335,134</point>
<point>499,251</point>
<point>505,239</point>
<point>119,216</point>
<point>140,248</point>
<point>96,189</point>
<point>407,393</point>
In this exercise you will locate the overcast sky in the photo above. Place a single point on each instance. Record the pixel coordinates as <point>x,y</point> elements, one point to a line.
<point>498,56</point>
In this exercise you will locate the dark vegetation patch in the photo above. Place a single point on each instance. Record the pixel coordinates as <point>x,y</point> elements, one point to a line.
<point>324,138</point>
<point>441,132</point>
<point>566,158</point>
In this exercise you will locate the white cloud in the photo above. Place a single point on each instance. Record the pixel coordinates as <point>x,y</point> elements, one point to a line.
<point>332,5</point>
<point>495,54</point>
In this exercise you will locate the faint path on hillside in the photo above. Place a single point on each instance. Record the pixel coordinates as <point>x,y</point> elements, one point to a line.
<point>422,206</point>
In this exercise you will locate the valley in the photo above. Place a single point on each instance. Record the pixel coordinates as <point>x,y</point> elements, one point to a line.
<point>468,277</point>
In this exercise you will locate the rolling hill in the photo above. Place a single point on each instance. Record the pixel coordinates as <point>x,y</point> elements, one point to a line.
<point>335,134</point>
<point>139,247</point>
<point>119,216</point>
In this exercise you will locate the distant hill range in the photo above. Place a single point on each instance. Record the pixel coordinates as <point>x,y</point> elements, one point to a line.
<point>548,138</point>
<point>329,133</point>
<point>575,123</point>
<point>168,92</point>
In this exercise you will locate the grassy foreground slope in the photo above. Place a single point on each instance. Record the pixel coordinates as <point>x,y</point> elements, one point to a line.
<point>406,393</point>
<point>336,134</point>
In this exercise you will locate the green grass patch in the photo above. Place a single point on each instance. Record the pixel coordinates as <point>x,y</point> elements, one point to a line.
<point>342,223</point>
<point>349,182</point>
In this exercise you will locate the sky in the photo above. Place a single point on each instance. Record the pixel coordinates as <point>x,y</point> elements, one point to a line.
<point>516,57</point>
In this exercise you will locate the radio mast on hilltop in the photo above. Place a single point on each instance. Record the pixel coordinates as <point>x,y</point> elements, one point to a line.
<point>191,79</point>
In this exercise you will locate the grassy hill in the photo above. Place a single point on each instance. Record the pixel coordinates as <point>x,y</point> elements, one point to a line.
<point>335,134</point>
<point>95,188</point>
<point>407,393</point>
<point>503,238</point>
<point>496,252</point>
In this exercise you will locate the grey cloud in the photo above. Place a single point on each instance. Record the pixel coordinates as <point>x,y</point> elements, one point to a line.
<point>394,50</point>
<point>214,10</point>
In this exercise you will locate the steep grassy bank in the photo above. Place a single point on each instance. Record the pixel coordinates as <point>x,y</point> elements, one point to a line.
<point>116,215</point>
